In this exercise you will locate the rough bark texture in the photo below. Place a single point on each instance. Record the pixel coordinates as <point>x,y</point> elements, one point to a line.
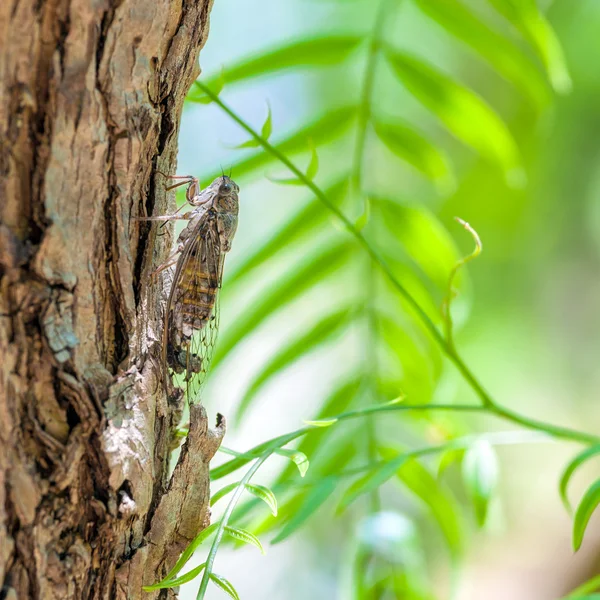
<point>91,93</point>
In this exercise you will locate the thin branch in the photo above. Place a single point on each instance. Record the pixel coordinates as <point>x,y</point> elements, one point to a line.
<point>364,107</point>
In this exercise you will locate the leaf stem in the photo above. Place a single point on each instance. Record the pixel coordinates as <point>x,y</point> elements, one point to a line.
<point>371,378</point>
<point>364,107</point>
<point>496,438</point>
<point>498,411</point>
<point>364,114</point>
<point>280,441</point>
<point>225,521</point>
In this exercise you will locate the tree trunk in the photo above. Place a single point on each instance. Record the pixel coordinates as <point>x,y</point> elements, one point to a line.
<point>91,94</point>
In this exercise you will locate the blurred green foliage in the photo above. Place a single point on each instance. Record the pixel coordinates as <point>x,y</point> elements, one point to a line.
<point>418,110</point>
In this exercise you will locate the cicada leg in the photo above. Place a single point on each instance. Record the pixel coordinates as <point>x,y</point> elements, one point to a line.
<point>166,218</point>
<point>172,260</point>
<point>192,190</point>
<point>173,217</point>
<point>192,182</point>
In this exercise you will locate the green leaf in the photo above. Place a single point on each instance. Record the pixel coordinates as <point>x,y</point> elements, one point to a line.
<point>527,18</point>
<point>181,433</point>
<point>242,459</point>
<point>219,83</point>
<point>311,170</point>
<point>176,582</point>
<point>399,400</point>
<point>363,220</point>
<point>267,127</point>
<point>312,502</point>
<point>285,181</point>
<point>448,458</point>
<point>291,352</point>
<point>313,165</point>
<point>463,112</point>
<point>322,423</point>
<point>339,453</point>
<point>232,465</point>
<point>327,128</point>
<point>389,561</point>
<point>226,450</point>
<point>337,402</point>
<point>191,548</point>
<point>330,50</point>
<point>500,52</point>
<point>371,481</point>
<point>333,460</point>
<point>361,586</point>
<point>570,469</point>
<point>425,240</point>
<point>584,511</point>
<point>216,86</point>
<point>265,494</point>
<point>251,143</point>
<point>223,492</point>
<point>303,222</point>
<point>244,536</point>
<point>298,279</point>
<point>225,585</point>
<point>443,509</point>
<point>411,146</point>
<point>584,590</point>
<point>423,292</point>
<point>480,474</point>
<point>202,99</point>
<point>298,458</point>
<point>414,369</point>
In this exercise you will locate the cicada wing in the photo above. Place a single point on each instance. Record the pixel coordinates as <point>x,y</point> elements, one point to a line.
<point>201,350</point>
<point>191,323</point>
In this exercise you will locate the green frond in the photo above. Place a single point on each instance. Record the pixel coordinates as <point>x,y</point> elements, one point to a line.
<point>386,140</point>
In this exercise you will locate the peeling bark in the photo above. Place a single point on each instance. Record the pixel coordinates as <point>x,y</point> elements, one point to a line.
<point>91,95</point>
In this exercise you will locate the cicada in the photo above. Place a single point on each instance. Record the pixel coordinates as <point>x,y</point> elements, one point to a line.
<point>192,317</point>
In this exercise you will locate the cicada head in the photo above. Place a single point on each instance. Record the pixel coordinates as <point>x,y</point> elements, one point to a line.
<point>227,194</point>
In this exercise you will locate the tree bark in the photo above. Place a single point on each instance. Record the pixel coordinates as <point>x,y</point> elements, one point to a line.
<point>91,94</point>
